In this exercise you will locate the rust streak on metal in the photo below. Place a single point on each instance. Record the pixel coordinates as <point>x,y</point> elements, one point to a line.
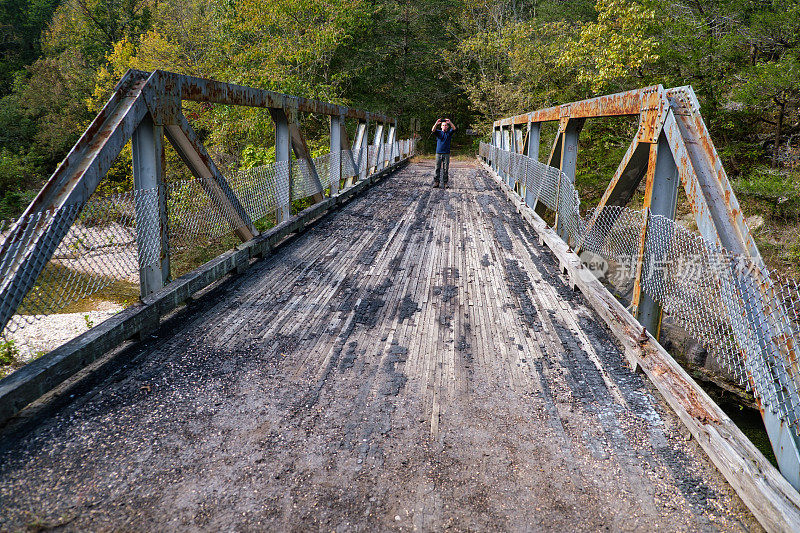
<point>620,104</point>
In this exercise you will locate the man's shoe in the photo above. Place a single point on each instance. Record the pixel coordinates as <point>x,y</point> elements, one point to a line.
<point>435,184</point>
<point>445,185</point>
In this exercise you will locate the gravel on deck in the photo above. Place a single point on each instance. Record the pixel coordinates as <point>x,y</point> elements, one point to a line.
<point>414,361</point>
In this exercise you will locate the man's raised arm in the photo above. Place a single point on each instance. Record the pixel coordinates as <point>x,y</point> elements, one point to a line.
<point>452,126</point>
<point>438,121</point>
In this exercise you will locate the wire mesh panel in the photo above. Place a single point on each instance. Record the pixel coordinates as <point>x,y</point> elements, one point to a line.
<point>307,180</point>
<point>373,156</point>
<point>323,166</point>
<point>349,162</point>
<point>258,190</point>
<point>193,216</point>
<point>97,261</point>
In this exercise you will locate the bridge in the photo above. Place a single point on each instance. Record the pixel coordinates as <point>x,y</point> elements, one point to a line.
<point>385,355</point>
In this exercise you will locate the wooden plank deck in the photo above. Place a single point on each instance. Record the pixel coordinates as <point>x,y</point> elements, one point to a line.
<point>413,361</point>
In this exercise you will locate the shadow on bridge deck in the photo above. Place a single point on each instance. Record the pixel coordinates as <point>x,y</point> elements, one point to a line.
<point>412,361</point>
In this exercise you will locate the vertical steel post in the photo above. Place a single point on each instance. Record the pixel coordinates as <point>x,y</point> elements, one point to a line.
<point>378,142</point>
<point>390,140</point>
<point>356,152</point>
<point>569,151</point>
<point>506,139</point>
<point>283,154</point>
<point>519,148</point>
<point>151,207</point>
<point>362,143</point>
<point>336,153</point>
<point>519,139</point>
<point>661,197</point>
<point>569,164</point>
<point>496,145</point>
<point>347,152</point>
<point>534,139</point>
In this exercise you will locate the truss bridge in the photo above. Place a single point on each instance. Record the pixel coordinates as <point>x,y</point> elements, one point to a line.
<point>326,342</point>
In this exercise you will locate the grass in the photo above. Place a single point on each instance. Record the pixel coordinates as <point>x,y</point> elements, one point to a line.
<point>8,353</point>
<point>775,197</point>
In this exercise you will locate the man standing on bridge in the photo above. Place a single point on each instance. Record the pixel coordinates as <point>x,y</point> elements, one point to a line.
<point>443,137</point>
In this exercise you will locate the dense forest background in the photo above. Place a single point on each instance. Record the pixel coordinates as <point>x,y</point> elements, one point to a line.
<point>475,60</point>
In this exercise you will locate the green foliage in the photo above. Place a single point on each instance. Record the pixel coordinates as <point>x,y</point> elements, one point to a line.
<point>603,145</point>
<point>619,44</point>
<point>20,36</point>
<point>771,192</point>
<point>768,183</point>
<point>8,352</point>
<point>256,156</point>
<point>16,173</point>
<point>473,60</point>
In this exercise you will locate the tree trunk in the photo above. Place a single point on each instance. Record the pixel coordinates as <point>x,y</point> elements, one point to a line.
<point>778,132</point>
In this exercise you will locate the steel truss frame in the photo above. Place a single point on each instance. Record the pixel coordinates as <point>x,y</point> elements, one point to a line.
<point>672,146</point>
<point>146,107</point>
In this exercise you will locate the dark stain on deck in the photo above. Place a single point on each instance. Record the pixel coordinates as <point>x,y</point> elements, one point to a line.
<point>413,361</point>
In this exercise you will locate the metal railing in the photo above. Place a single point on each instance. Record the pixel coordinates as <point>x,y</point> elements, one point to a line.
<point>107,246</point>
<point>742,312</point>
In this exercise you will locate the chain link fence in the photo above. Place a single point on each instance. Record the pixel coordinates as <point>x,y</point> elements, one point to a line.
<point>744,314</point>
<point>94,270</point>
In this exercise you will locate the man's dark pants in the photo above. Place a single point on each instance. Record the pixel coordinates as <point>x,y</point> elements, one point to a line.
<point>442,169</point>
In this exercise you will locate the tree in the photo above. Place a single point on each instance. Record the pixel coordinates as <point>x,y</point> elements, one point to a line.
<point>618,46</point>
<point>773,87</point>
<point>21,25</point>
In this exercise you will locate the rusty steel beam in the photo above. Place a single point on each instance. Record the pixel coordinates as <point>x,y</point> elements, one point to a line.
<point>620,104</point>
<point>694,195</point>
<point>78,174</point>
<point>217,92</point>
<point>732,232</point>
